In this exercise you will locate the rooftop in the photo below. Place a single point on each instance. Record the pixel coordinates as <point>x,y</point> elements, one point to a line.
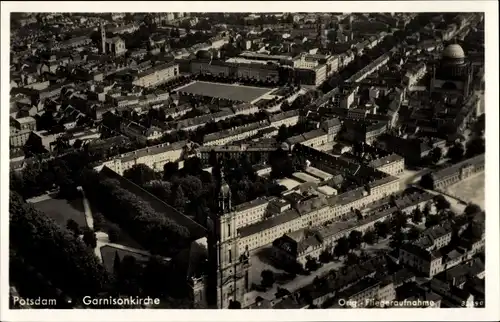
<point>270,222</point>
<point>385,160</point>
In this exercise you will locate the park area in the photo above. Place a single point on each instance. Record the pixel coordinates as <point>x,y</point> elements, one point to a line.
<point>62,210</point>
<point>470,189</point>
<point>225,91</point>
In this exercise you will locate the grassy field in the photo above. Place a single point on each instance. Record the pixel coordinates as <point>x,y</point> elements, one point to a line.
<point>227,91</point>
<point>62,210</point>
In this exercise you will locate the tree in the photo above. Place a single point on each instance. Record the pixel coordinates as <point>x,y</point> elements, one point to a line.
<point>99,221</point>
<point>399,220</point>
<point>475,147</point>
<point>325,256</point>
<point>90,238</point>
<point>448,214</point>
<point>177,198</point>
<point>435,154</point>
<point>281,164</point>
<point>398,238</point>
<point>382,229</point>
<point>479,126</point>
<point>352,259</point>
<point>281,292</point>
<point>416,215</point>
<point>16,182</point>
<point>73,226</point>
<point>456,152</point>
<point>427,181</point>
<point>113,233</point>
<point>61,144</point>
<point>267,278</point>
<point>355,239</point>
<point>78,144</point>
<point>432,220</point>
<point>193,166</point>
<point>116,264</point>
<point>342,247</point>
<point>191,186</point>
<point>234,305</point>
<point>140,174</point>
<point>441,203</point>
<point>369,237</point>
<point>414,233</point>
<point>427,209</point>
<point>161,189</point>
<point>285,106</point>
<point>283,133</point>
<point>359,215</point>
<point>33,146</point>
<point>311,264</point>
<point>472,209</point>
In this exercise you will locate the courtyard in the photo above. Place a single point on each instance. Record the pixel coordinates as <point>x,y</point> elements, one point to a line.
<point>226,91</point>
<point>261,260</point>
<point>470,189</point>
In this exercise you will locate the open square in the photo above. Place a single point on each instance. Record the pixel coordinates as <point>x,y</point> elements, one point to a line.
<point>227,91</point>
<point>470,189</point>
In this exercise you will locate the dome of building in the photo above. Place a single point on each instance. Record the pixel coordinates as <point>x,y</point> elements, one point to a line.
<point>454,51</point>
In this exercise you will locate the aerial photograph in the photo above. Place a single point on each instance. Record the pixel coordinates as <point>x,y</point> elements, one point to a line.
<point>246,160</point>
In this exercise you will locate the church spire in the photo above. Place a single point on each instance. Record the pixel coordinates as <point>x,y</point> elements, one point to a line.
<point>103,38</point>
<point>224,193</point>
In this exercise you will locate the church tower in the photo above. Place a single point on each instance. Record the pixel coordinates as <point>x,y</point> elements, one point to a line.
<point>103,39</point>
<point>233,280</point>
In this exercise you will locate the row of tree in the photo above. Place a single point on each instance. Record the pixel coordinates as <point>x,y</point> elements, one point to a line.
<point>153,230</point>
<point>40,176</point>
